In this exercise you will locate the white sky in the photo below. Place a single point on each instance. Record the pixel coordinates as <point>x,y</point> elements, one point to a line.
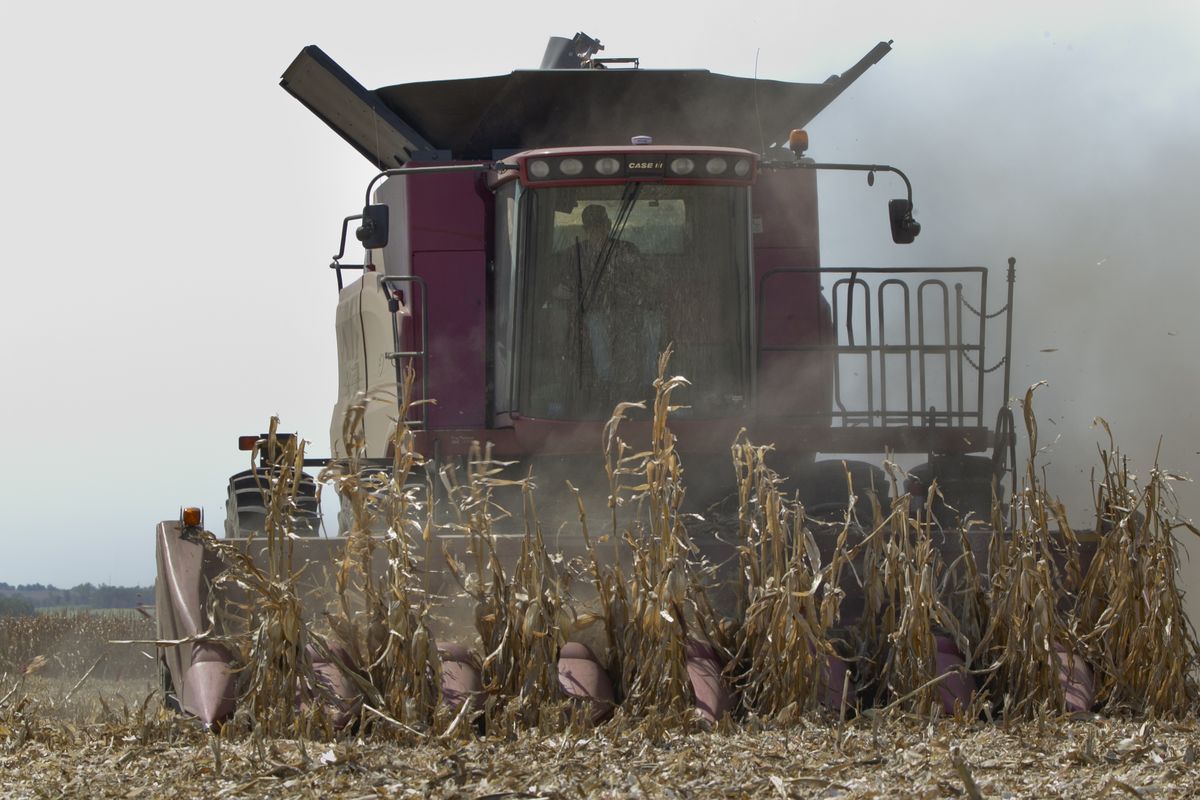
<point>169,213</point>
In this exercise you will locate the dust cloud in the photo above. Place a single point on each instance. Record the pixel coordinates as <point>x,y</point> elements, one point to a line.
<point>1077,157</point>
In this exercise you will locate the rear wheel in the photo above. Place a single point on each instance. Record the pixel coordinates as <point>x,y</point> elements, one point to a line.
<point>248,499</point>
<point>966,485</point>
<point>824,488</point>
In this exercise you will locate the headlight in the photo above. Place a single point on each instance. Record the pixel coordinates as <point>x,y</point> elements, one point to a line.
<point>570,166</point>
<point>717,165</point>
<point>539,169</point>
<point>608,166</point>
<point>682,166</point>
<point>741,167</point>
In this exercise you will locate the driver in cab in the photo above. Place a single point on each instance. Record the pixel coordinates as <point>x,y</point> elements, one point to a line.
<point>609,289</point>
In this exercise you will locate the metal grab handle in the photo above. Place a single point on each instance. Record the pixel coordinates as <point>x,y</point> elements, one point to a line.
<point>389,282</point>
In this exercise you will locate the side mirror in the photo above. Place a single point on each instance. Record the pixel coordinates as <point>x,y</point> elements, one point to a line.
<point>904,227</point>
<point>373,233</point>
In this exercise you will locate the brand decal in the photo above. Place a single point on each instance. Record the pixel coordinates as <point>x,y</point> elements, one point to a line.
<point>646,165</point>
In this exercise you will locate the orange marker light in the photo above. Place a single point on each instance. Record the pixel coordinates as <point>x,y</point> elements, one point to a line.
<point>798,140</point>
<point>192,517</point>
<point>247,442</point>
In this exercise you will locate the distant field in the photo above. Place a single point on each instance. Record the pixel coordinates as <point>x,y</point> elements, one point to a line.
<point>120,612</point>
<point>72,641</point>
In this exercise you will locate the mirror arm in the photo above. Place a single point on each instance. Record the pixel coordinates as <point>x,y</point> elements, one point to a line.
<point>342,242</point>
<point>857,168</point>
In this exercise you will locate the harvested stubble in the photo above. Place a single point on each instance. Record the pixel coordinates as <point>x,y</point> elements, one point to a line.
<point>113,754</point>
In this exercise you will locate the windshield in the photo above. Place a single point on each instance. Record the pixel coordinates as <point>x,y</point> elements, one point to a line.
<point>610,275</point>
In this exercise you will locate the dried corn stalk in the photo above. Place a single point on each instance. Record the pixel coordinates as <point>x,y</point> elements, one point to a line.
<point>1130,609</point>
<point>782,638</point>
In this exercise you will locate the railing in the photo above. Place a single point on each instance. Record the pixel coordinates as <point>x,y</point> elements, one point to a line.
<point>399,355</point>
<point>911,348</point>
<point>336,264</point>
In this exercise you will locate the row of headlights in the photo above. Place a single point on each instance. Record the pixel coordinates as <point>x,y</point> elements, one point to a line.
<point>573,167</point>
<point>715,166</point>
<point>639,165</point>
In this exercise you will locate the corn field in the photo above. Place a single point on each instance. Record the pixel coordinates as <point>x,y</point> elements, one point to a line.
<point>71,642</point>
<point>1019,600</point>
<point>832,632</point>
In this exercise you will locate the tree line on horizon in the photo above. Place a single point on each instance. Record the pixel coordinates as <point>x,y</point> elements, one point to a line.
<point>26,598</point>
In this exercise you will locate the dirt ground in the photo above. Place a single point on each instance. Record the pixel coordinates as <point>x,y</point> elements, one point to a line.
<point>110,739</point>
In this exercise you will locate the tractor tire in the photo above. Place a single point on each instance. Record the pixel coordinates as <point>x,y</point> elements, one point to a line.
<point>966,486</point>
<point>825,494</point>
<point>247,501</point>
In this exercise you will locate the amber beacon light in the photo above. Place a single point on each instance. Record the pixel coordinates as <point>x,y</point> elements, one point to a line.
<point>798,141</point>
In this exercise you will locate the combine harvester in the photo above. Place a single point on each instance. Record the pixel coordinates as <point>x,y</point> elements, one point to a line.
<point>533,241</point>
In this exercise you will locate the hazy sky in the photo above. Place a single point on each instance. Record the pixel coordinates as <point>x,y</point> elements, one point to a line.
<point>169,213</point>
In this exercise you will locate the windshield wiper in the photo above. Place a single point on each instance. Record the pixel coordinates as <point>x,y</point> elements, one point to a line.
<point>579,322</point>
<point>628,198</point>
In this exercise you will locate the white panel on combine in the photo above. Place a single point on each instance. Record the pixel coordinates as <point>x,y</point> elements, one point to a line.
<point>397,255</point>
<point>365,373</point>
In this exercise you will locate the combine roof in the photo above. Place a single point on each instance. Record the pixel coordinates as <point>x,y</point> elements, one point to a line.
<point>473,118</point>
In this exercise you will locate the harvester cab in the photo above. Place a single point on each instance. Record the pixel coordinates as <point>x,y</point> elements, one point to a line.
<point>533,241</point>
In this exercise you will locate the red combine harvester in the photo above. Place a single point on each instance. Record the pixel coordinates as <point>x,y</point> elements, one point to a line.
<point>534,240</point>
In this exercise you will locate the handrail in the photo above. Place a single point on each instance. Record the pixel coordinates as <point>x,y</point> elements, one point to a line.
<point>336,263</point>
<point>395,298</point>
<point>881,333</point>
